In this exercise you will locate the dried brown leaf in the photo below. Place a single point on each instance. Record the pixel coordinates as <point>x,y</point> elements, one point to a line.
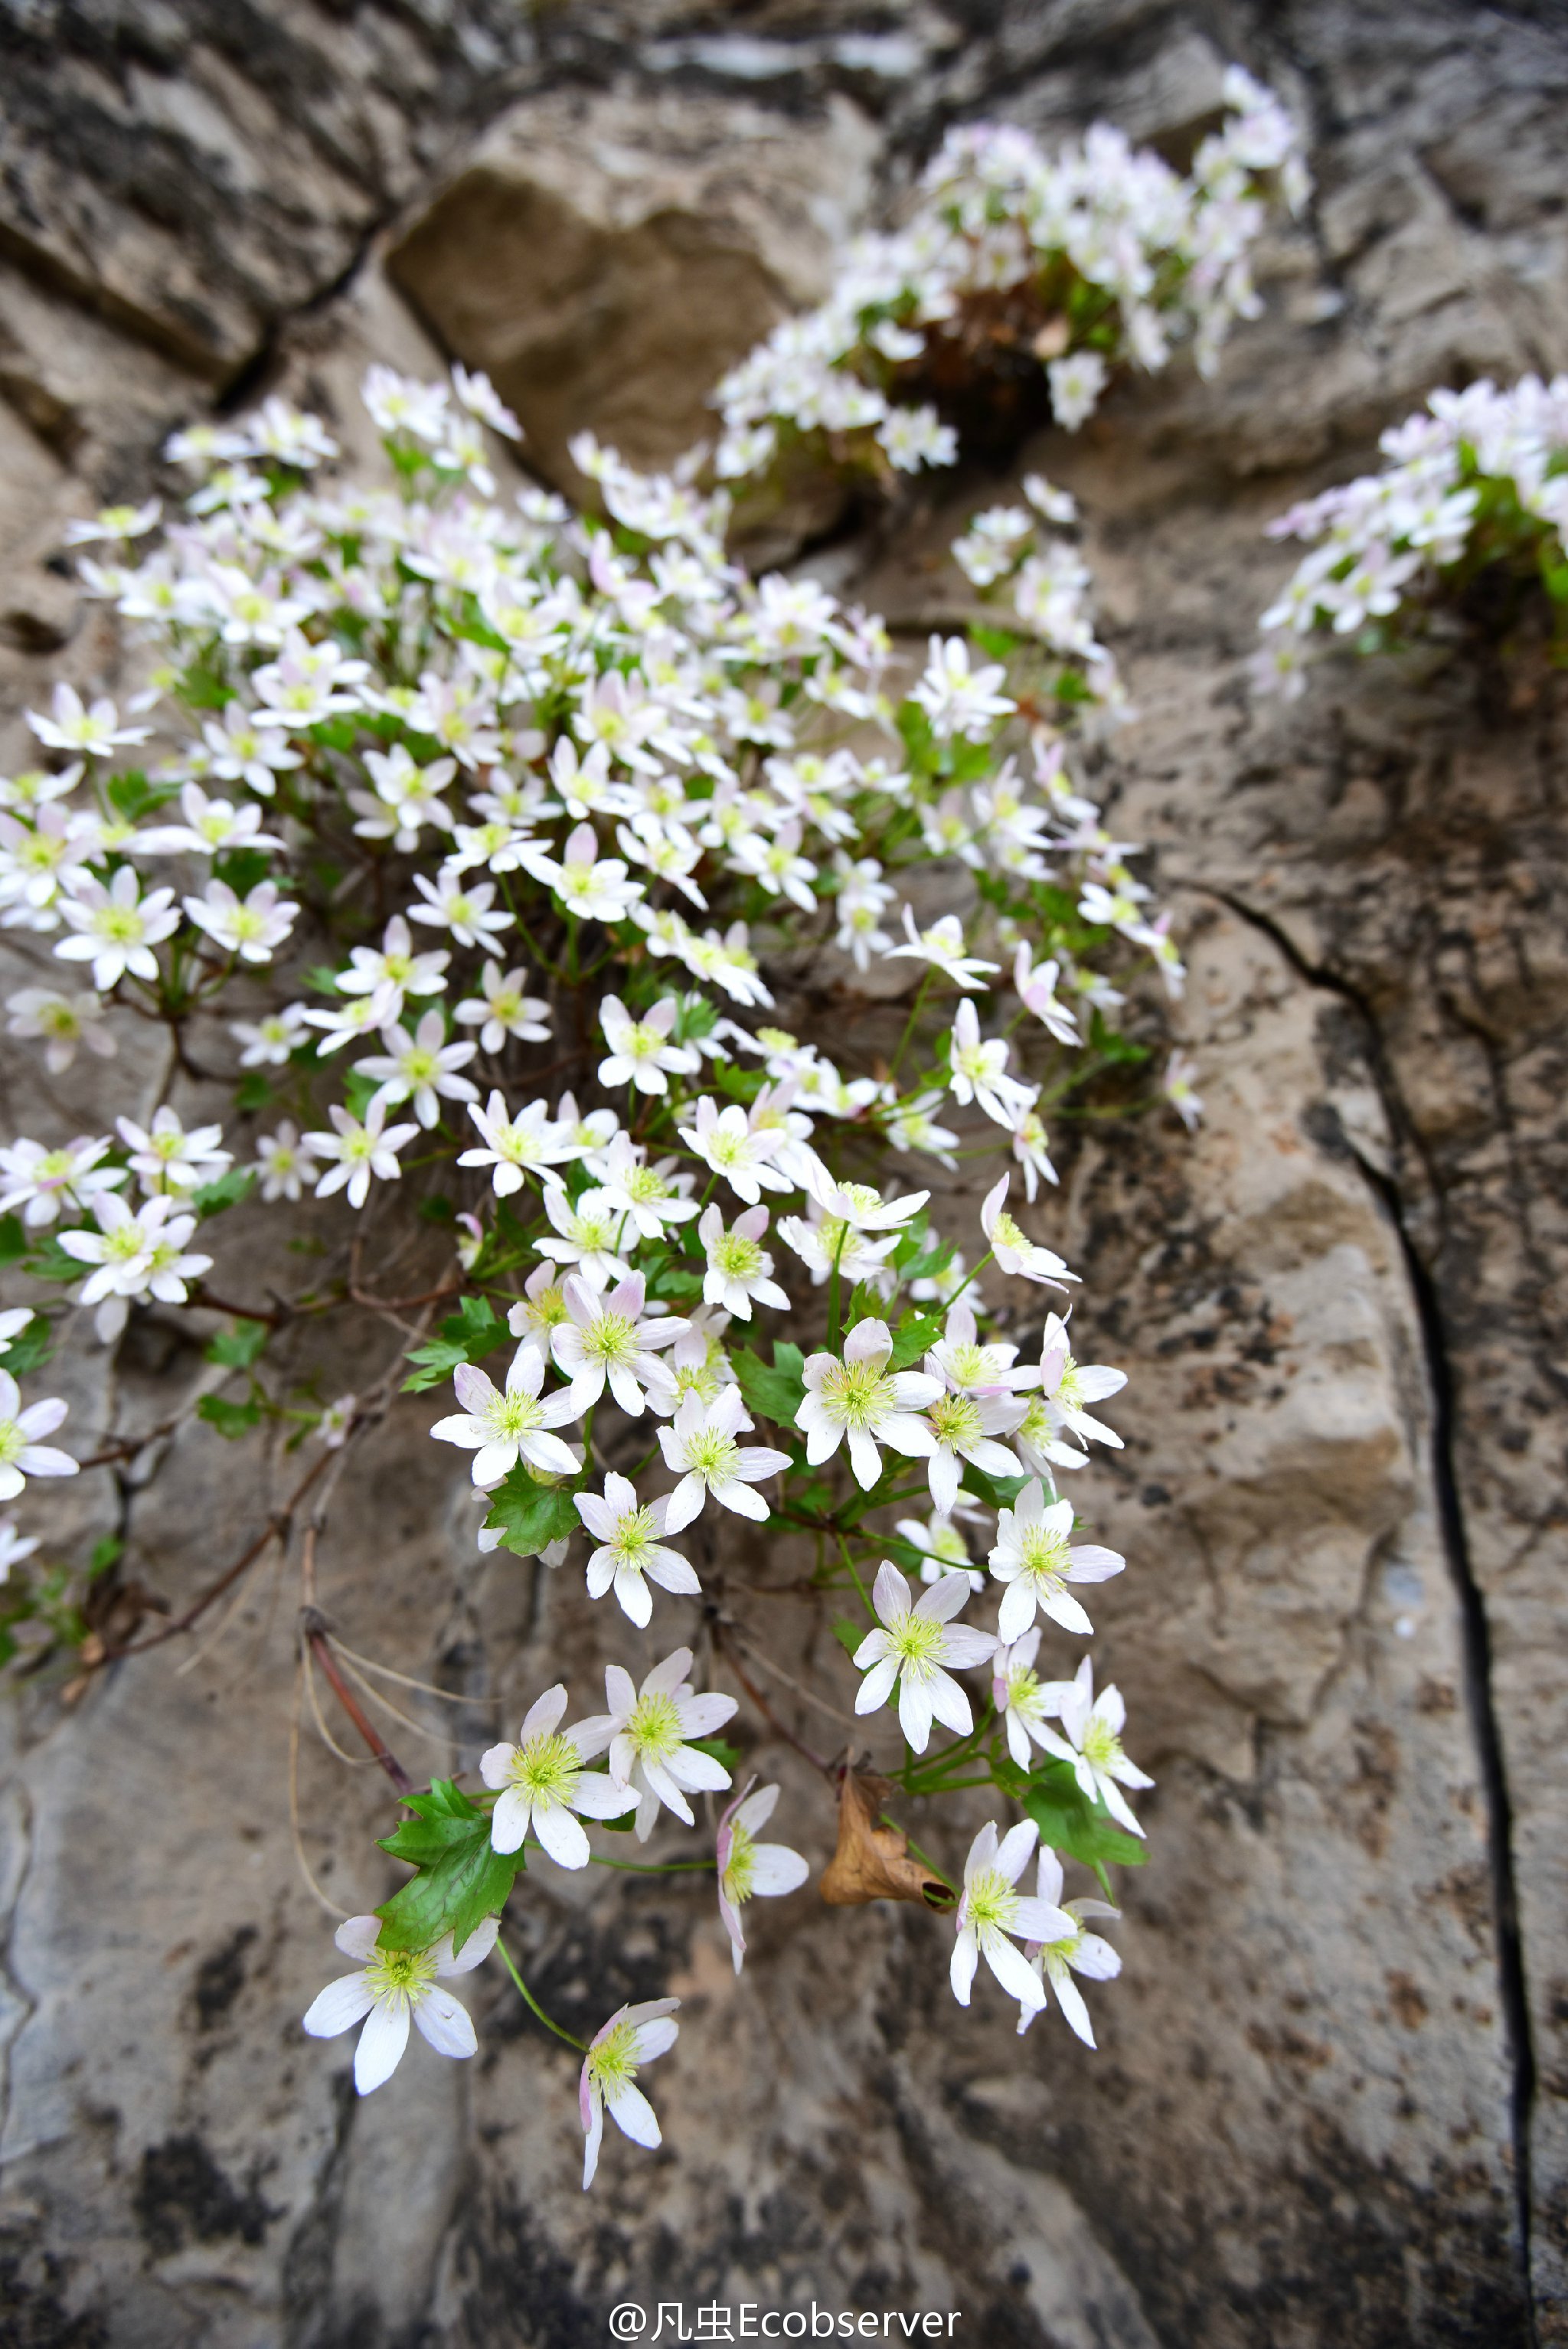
<point>873,1861</point>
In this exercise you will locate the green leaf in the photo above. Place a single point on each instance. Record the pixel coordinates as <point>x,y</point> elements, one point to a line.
<point>49,1261</point>
<point>1113,1046</point>
<point>675,1283</point>
<point>916,1333</point>
<point>244,868</point>
<point>14,1240</point>
<point>775,1393</point>
<point>238,1348</point>
<point>133,796</point>
<point>849,1635</point>
<point>476,1325</point>
<point>231,1420</point>
<point>434,1364</point>
<point>435,1209</point>
<point>444,1816</point>
<point>1001,1491</point>
<point>30,1349</point>
<point>528,1516</point>
<point>228,1191</point>
<point>726,1755</point>
<point>998,642</point>
<point>466,1883</point>
<point>104,1552</point>
<point>1068,1822</point>
<point>252,1093</point>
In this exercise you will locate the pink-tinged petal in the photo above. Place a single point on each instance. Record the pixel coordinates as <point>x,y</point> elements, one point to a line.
<point>1063,1609</point>
<point>621,1690</point>
<point>729,1916</point>
<point>914,1713</point>
<point>510,1819</point>
<point>960,1968</point>
<point>672,1572</point>
<point>701,1717</point>
<point>592,1737</point>
<point>544,1714</point>
<point>632,2113</point>
<point>43,1460</point>
<point>775,1869</point>
<point>868,1341</point>
<point>475,1391</point>
<point>43,1418</point>
<point>667,1677</point>
<point>356,1937</point>
<point>1090,1563</point>
<point>381,2045</point>
<point>461,1429</point>
<point>871,1650</point>
<point>561,1836</point>
<point>942,1600</point>
<point>1015,1851</point>
<point>1094,1957</point>
<point>593,2125</point>
<point>1042,1921</point>
<point>965,1647</point>
<point>444,2022</point>
<point>877,1686</point>
<point>753,1812</point>
<point>340,2006</point>
<point>526,1375</point>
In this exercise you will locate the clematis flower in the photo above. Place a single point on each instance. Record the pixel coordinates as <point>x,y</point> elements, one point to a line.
<point>1068,1952</point>
<point>392,1987</point>
<point>1036,1557</point>
<point>649,1731</point>
<point>700,1446</point>
<point>542,1784</point>
<point>740,1268</point>
<point>1066,1386</point>
<point>116,928</point>
<point>605,1338</point>
<point>1020,1697</point>
<point>1013,1250</point>
<point>530,1144</point>
<point>500,1429</point>
<point>168,1158</point>
<point>726,1141</point>
<point>749,1869</point>
<point>641,1054</point>
<point>942,946</point>
<point>588,1233</point>
<point>505,1009</point>
<point>633,2037</point>
<point>1037,988</point>
<point>977,1072</point>
<point>631,1552</point>
<point>992,1914</point>
<point>421,1068</point>
<point>359,1148</point>
<point>1093,1742</point>
<point>21,1452</point>
<point>861,1399</point>
<point>912,1647</point>
<point>965,1427</point>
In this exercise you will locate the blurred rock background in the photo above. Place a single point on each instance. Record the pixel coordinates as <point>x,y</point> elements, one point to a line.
<point>1330,2107</point>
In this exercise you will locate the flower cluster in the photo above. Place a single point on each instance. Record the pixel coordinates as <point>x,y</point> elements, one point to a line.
<point>482,839</point>
<point>1480,478</point>
<point>1010,258</point>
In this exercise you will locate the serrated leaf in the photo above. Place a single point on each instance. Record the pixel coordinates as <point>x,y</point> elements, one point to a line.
<point>238,1348</point>
<point>444,1816</point>
<point>529,1517</point>
<point>468,1882</point>
<point>211,1198</point>
<point>916,1333</point>
<point>775,1391</point>
<point>29,1350</point>
<point>434,1364</point>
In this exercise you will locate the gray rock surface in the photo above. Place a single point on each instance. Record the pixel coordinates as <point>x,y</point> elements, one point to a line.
<point>1331,2101</point>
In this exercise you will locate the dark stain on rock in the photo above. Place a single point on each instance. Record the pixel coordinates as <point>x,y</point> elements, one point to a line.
<point>181,2195</point>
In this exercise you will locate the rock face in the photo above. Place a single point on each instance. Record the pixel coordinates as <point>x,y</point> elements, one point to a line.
<point>1330,2105</point>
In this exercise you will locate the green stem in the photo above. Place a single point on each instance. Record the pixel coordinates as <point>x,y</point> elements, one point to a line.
<point>914,1011</point>
<point>855,1578</point>
<point>833,1290</point>
<point>532,2003</point>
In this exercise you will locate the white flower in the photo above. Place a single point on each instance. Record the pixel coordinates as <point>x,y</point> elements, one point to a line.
<point>1013,1250</point>
<point>992,1907</point>
<point>942,947</point>
<point>75,727</point>
<point>640,1049</point>
<point>139,1255</point>
<point>542,1783</point>
<point>468,914</point>
<point>117,523</point>
<point>700,1447</point>
<point>740,1268</point>
<point>605,1338</point>
<point>268,1041</point>
<point>210,825</point>
<point>62,1022</point>
<point>589,1235</point>
<point>22,1455</point>
<point>912,437</point>
<point>500,1429</point>
<point>168,1158</point>
<point>631,1552</point>
<point>1077,382</point>
<point>633,2037</point>
<point>749,1869</point>
<point>387,973</point>
<point>505,1009</point>
<point>13,1548</point>
<point>332,1430</point>
<point>977,1071</point>
<point>911,1649</point>
<point>116,928</point>
<point>392,1987</point>
<point>648,1732</point>
<point>1036,1557</point>
<point>1176,1084</point>
<point>594,889</point>
<point>1037,986</point>
<point>1021,1698</point>
<point>422,1067</point>
<point>964,1427</point>
<point>861,1398</point>
<point>1093,1742</point>
<point>857,1203</point>
<point>652,1195</point>
<point>357,1149</point>
<point>957,700</point>
<point>1068,1952</point>
<point>726,1141</point>
<point>1066,1386</point>
<point>826,1244</point>
<point>530,1144</point>
<point>41,1182</point>
<point>941,1544</point>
